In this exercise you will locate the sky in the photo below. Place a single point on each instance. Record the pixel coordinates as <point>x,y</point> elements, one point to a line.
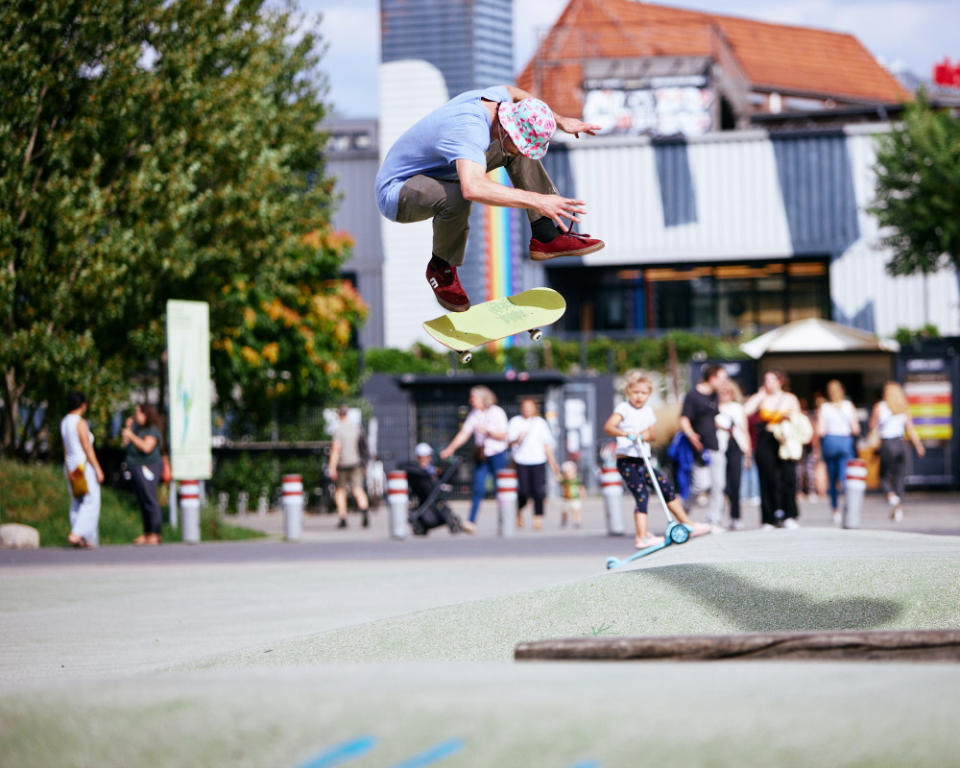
<point>903,34</point>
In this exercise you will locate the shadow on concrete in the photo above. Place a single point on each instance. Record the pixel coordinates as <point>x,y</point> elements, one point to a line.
<point>755,608</point>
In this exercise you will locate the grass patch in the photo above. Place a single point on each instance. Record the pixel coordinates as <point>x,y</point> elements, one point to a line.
<point>36,495</point>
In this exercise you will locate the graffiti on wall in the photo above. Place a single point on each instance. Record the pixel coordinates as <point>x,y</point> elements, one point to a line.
<point>664,111</point>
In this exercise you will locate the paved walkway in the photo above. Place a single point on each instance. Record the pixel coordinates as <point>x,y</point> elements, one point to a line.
<point>268,653</point>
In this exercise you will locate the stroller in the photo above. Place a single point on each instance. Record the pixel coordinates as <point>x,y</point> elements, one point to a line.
<point>428,509</point>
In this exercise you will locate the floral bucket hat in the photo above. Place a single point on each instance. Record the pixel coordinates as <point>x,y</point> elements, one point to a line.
<point>530,124</point>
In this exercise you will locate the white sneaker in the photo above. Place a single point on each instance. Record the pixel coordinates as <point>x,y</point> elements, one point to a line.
<point>790,524</point>
<point>894,501</point>
<point>736,525</point>
<point>837,519</point>
<point>897,514</point>
<point>768,527</point>
<point>468,527</point>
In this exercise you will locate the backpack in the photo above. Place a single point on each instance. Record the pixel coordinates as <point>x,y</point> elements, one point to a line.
<point>363,447</point>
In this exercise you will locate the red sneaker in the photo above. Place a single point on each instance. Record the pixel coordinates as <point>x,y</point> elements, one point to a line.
<point>564,244</point>
<point>446,286</point>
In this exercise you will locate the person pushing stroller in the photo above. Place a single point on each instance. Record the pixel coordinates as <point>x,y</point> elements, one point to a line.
<point>426,492</point>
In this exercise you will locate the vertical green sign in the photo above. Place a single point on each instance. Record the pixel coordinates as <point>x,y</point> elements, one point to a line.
<point>188,387</point>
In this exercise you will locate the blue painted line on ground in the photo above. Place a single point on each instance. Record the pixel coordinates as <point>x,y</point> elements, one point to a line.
<point>432,755</point>
<point>341,753</point>
<point>587,764</point>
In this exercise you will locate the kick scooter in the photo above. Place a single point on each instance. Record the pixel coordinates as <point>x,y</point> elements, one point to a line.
<point>677,532</point>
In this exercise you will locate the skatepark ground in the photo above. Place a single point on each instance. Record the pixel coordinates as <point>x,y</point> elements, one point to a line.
<point>348,648</point>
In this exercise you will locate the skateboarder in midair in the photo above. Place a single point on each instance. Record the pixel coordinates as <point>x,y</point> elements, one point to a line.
<point>439,167</point>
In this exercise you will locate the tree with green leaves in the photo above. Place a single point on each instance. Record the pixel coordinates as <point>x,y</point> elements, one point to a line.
<point>157,149</point>
<point>918,189</point>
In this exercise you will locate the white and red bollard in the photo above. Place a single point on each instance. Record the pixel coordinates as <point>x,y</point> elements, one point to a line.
<point>856,484</point>
<point>612,489</point>
<point>398,498</point>
<point>292,491</point>
<point>190,511</point>
<point>507,502</point>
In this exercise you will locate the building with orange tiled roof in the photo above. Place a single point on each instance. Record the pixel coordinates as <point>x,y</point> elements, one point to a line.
<point>643,68</point>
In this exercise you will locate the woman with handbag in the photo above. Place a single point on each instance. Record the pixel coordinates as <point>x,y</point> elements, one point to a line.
<point>141,440</point>
<point>891,420</point>
<point>774,405</point>
<point>83,474</point>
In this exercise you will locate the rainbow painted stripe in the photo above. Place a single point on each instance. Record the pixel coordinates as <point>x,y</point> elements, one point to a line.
<point>498,244</point>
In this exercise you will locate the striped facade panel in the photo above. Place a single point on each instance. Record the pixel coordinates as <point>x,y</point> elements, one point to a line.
<point>752,196</point>
<point>705,200</point>
<point>356,212</point>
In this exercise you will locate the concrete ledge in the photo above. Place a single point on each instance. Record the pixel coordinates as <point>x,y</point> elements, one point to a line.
<point>909,645</point>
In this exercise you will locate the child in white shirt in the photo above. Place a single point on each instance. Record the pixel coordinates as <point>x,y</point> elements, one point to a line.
<point>632,422</point>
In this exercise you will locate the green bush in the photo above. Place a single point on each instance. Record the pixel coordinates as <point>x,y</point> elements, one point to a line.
<point>256,473</point>
<point>36,495</point>
<point>603,355</point>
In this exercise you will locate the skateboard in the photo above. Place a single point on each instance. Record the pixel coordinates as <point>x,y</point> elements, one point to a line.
<point>677,532</point>
<point>497,319</point>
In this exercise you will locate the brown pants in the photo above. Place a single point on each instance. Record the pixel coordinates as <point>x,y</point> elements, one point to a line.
<point>423,198</point>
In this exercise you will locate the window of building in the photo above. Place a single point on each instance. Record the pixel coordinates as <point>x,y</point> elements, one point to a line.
<point>723,298</point>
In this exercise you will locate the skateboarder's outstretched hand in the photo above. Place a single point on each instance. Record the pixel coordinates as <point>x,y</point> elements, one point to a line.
<point>576,126</point>
<point>558,208</point>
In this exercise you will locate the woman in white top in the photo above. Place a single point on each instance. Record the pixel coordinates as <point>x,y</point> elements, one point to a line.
<point>733,436</point>
<point>837,426</point>
<point>487,423</point>
<point>78,449</point>
<point>532,443</point>
<point>891,418</point>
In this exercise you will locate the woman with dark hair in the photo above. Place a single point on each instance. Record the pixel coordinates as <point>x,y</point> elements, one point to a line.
<point>141,439</point>
<point>78,453</point>
<point>774,404</point>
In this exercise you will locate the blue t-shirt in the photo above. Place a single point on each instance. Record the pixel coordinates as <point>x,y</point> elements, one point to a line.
<point>431,146</point>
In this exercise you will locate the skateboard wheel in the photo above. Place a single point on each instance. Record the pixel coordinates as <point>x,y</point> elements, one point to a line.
<point>612,562</point>
<point>536,334</point>
<point>466,357</point>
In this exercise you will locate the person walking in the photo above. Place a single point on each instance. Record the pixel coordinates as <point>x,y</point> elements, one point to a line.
<point>83,485</point>
<point>891,418</point>
<point>837,426</point>
<point>346,467</point>
<point>698,421</point>
<point>774,404</point>
<point>439,167</point>
<point>532,442</point>
<point>733,436</point>
<point>141,438</point>
<point>487,424</point>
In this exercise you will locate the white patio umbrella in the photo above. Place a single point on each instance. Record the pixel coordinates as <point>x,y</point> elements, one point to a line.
<point>817,335</point>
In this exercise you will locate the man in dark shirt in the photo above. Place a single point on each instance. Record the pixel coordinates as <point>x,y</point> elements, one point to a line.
<point>698,422</point>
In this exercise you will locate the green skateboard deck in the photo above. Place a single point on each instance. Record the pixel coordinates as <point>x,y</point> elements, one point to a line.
<point>497,319</point>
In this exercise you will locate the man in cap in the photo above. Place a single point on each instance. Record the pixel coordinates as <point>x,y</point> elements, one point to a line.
<point>439,167</point>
